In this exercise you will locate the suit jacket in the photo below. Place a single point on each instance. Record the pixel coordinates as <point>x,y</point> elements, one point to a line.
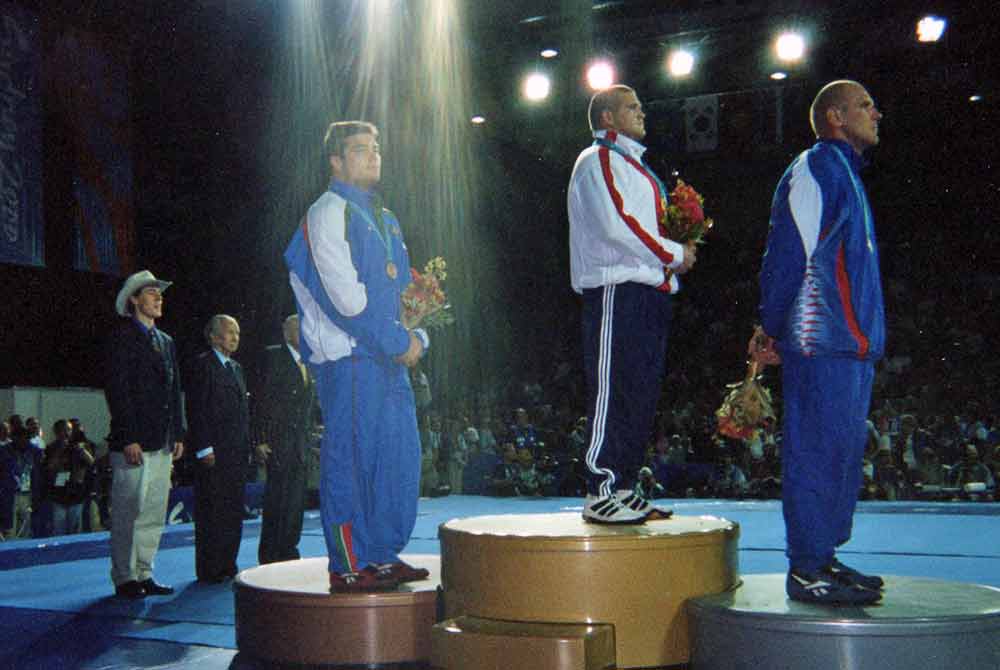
<point>218,415</point>
<point>143,389</point>
<point>285,405</point>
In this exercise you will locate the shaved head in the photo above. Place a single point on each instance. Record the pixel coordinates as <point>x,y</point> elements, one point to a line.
<point>832,96</point>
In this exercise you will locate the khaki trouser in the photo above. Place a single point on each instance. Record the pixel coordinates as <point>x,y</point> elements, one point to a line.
<point>138,510</point>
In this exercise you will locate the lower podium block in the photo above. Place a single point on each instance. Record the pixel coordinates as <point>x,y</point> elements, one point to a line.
<point>285,614</point>
<point>486,644</point>
<point>920,624</point>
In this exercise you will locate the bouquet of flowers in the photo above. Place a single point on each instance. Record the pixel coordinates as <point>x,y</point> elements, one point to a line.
<point>684,217</point>
<point>746,407</point>
<point>424,301</point>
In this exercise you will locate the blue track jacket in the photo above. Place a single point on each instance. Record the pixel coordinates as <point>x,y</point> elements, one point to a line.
<point>820,287</point>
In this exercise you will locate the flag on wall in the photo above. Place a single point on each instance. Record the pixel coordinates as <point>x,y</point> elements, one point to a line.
<point>701,123</point>
<point>21,224</point>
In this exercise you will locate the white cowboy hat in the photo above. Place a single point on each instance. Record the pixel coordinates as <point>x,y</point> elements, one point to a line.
<point>137,282</point>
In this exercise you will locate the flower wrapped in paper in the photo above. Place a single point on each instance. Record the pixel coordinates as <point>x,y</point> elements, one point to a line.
<point>747,406</point>
<point>685,219</point>
<point>424,301</point>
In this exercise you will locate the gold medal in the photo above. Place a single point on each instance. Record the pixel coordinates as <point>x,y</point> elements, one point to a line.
<point>390,269</point>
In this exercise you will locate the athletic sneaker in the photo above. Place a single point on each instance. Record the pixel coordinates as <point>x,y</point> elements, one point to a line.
<point>873,582</point>
<point>638,504</point>
<point>610,510</point>
<point>826,588</point>
<point>628,498</point>
<point>365,581</point>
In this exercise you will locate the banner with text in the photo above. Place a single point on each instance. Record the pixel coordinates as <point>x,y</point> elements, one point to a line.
<point>22,227</point>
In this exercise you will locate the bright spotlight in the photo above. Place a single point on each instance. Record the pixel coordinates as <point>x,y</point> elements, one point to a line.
<point>549,53</point>
<point>930,28</point>
<point>975,98</point>
<point>680,63</point>
<point>537,87</point>
<point>790,46</point>
<point>478,119</point>
<point>778,76</point>
<point>600,75</point>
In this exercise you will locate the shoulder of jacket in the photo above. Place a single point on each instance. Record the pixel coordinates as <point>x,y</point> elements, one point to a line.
<point>328,204</point>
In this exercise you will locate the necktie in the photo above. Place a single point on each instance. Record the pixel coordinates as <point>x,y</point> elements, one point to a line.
<point>304,373</point>
<point>155,341</point>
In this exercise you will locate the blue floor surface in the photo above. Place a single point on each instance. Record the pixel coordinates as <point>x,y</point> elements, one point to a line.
<point>56,610</point>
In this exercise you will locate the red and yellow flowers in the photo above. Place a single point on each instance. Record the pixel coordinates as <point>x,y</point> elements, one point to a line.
<point>424,301</point>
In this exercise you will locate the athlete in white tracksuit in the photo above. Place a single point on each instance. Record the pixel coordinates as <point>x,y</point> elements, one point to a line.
<point>625,268</point>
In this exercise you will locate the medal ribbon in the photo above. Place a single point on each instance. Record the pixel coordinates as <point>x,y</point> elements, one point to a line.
<point>378,224</point>
<point>659,188</point>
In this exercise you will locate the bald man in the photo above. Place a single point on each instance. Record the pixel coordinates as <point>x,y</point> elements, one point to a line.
<point>821,307</point>
<point>219,435</point>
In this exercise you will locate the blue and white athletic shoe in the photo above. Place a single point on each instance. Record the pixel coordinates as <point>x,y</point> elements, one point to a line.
<point>873,582</point>
<point>827,588</point>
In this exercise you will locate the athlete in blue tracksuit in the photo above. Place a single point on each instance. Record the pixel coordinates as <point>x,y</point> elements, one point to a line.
<point>348,268</point>
<point>821,301</point>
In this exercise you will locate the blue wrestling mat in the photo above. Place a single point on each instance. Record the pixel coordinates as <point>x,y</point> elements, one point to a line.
<point>55,585</point>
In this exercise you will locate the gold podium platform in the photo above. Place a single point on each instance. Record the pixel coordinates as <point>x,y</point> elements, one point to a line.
<point>285,614</point>
<point>556,569</point>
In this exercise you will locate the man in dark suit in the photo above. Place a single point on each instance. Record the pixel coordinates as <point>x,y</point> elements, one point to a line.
<point>219,438</point>
<point>143,390</point>
<point>284,417</point>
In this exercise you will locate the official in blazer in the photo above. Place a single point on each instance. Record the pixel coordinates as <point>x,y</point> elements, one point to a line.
<point>219,440</point>
<point>284,416</point>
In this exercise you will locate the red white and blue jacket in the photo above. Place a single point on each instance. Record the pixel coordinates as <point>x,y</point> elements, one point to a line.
<point>820,287</point>
<point>337,261</point>
<point>615,206</point>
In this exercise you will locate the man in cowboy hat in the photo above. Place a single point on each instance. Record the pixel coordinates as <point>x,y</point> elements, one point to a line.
<point>143,390</point>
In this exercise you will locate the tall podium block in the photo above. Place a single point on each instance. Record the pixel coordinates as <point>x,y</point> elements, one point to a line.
<point>558,569</point>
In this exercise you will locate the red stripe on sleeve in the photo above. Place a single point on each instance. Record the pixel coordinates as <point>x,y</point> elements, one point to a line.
<point>609,180</point>
<point>844,287</point>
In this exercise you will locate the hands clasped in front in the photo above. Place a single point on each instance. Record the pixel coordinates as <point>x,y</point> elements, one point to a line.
<point>412,355</point>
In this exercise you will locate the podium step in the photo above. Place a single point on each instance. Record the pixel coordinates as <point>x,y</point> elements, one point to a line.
<point>485,644</point>
<point>920,623</point>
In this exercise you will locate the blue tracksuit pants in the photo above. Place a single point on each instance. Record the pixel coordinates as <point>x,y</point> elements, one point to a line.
<point>625,329</point>
<point>369,461</point>
<point>826,402</point>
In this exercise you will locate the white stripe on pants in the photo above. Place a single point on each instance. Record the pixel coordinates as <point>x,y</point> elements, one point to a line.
<point>138,510</point>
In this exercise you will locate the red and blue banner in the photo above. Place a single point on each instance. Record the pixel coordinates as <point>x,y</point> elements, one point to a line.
<point>92,81</point>
<point>22,227</point>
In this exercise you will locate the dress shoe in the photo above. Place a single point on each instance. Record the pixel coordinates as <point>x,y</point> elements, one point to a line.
<point>364,581</point>
<point>152,588</point>
<point>404,572</point>
<point>132,590</point>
